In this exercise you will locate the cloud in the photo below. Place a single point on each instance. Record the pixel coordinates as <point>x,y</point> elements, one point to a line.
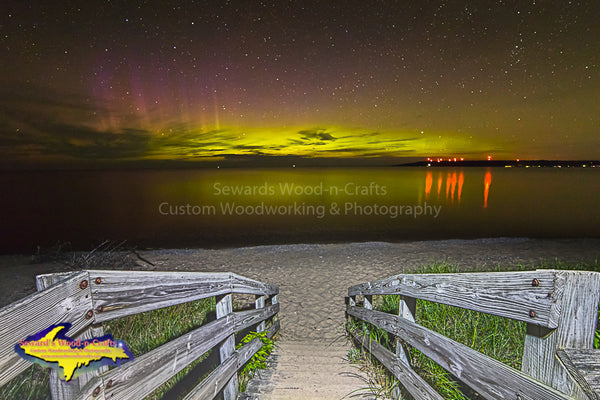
<point>38,124</point>
<point>42,123</point>
<point>316,134</point>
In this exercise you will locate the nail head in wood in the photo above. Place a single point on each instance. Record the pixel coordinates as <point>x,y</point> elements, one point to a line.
<point>100,308</point>
<point>83,284</point>
<point>96,391</point>
<point>535,282</point>
<point>89,314</point>
<point>98,280</point>
<point>109,384</point>
<point>532,313</point>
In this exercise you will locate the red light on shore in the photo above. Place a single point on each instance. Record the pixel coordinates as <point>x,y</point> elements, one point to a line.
<point>489,158</point>
<point>455,159</point>
<point>518,160</point>
<point>462,159</point>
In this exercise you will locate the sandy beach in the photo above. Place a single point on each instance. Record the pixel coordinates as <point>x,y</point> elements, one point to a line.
<point>314,278</point>
<point>309,360</point>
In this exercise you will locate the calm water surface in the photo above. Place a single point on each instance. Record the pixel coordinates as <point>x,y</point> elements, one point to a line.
<point>229,207</point>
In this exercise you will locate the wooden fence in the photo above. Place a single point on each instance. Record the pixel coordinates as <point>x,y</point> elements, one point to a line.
<point>559,307</point>
<point>87,298</point>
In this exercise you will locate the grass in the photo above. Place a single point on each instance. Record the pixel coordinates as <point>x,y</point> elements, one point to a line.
<point>258,360</point>
<point>500,338</point>
<point>145,332</point>
<point>141,332</point>
<point>31,384</point>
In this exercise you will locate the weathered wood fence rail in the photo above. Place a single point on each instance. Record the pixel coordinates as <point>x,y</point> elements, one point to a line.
<point>559,307</point>
<point>87,298</point>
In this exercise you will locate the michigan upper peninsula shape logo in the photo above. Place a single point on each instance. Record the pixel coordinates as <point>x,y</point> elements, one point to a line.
<point>51,348</point>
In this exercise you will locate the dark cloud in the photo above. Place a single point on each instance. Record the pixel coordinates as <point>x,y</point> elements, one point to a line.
<point>40,123</point>
<point>316,134</point>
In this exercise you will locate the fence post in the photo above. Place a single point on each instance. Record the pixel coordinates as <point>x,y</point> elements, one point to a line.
<point>260,303</point>
<point>406,309</point>
<point>224,308</point>
<point>59,389</point>
<point>577,294</point>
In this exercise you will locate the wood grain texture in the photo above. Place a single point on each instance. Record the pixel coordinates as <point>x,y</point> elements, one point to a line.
<point>212,384</point>
<point>242,284</point>
<point>259,302</point>
<point>59,389</point>
<point>122,293</point>
<point>62,302</point>
<point>506,294</point>
<point>224,309</point>
<point>114,294</point>
<point>137,379</point>
<point>245,319</point>
<point>578,305</point>
<point>584,368</point>
<point>490,378</point>
<point>407,307</point>
<point>417,387</point>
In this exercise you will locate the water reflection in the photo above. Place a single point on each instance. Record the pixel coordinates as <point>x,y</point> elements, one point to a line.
<point>428,183</point>
<point>52,205</point>
<point>486,190</point>
<point>454,185</point>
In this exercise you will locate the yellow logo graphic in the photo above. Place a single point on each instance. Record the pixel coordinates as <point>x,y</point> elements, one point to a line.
<point>51,348</point>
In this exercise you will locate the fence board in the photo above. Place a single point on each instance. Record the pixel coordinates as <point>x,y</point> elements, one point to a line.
<point>506,294</point>
<point>137,379</point>
<point>491,378</point>
<point>62,302</point>
<point>245,319</point>
<point>122,293</point>
<point>241,284</point>
<point>114,294</point>
<point>212,384</point>
<point>417,387</point>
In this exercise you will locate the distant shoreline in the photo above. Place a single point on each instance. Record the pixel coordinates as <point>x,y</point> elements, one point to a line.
<point>506,163</point>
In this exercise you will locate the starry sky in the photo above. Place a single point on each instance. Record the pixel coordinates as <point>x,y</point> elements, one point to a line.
<point>229,81</point>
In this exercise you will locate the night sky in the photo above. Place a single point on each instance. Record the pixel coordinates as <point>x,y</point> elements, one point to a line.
<point>221,81</point>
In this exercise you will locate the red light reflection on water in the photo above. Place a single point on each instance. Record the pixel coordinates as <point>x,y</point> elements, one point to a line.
<point>455,182</point>
<point>486,190</point>
<point>428,183</point>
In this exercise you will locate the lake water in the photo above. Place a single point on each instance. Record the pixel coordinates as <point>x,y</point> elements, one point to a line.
<point>230,207</point>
